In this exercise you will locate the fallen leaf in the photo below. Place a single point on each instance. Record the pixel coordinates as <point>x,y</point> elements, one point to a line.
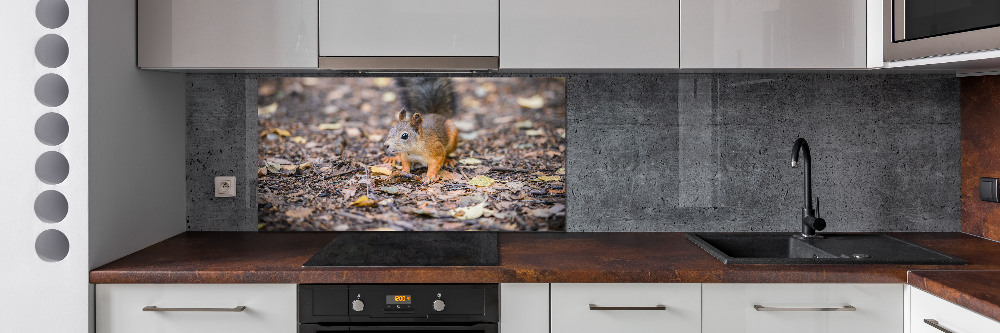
<point>310,81</point>
<point>363,201</point>
<point>268,110</point>
<point>304,166</point>
<point>272,167</point>
<point>481,181</point>
<point>389,97</point>
<point>331,126</point>
<point>353,132</point>
<point>262,172</point>
<point>381,82</point>
<point>533,102</point>
<point>515,185</point>
<point>470,212</point>
<point>382,169</point>
<point>299,213</point>
<point>557,208</point>
<point>385,202</point>
<point>299,140</point>
<point>282,132</point>
<point>542,212</point>
<point>549,178</point>
<point>524,124</point>
<point>470,161</point>
<point>389,189</point>
<point>561,171</point>
<point>453,226</point>
<point>348,192</point>
<point>276,160</point>
<point>534,132</point>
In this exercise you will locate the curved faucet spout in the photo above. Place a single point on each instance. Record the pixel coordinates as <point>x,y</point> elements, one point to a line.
<point>803,146</point>
<point>810,222</point>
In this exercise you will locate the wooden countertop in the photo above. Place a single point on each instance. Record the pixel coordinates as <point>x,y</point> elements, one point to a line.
<point>978,291</point>
<point>257,257</point>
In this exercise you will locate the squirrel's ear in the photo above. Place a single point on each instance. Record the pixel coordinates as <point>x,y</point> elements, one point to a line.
<point>416,121</point>
<point>402,114</point>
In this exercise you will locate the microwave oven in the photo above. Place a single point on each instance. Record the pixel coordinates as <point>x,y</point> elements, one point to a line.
<point>915,29</point>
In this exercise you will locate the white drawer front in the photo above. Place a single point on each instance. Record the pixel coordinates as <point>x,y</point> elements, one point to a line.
<point>571,312</point>
<point>729,308</point>
<point>948,315</point>
<point>269,308</point>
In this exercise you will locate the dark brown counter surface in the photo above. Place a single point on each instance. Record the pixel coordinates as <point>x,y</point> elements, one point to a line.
<point>258,257</point>
<point>978,291</point>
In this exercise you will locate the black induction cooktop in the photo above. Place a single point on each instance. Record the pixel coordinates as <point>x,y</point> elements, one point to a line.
<point>394,248</point>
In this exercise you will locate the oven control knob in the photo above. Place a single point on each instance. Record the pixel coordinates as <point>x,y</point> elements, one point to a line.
<point>358,305</point>
<point>438,305</point>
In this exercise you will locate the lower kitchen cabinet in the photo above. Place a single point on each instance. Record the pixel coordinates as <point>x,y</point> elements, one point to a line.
<point>625,307</point>
<point>196,308</point>
<point>802,308</point>
<point>930,314</point>
<point>524,308</point>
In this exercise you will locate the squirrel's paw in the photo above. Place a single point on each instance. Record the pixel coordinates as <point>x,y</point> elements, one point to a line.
<point>429,179</point>
<point>392,159</point>
<point>450,162</point>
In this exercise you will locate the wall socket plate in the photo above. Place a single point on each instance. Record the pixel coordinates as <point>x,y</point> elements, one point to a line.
<point>225,186</point>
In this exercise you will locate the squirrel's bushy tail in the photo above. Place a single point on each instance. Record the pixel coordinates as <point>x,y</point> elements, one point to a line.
<point>426,95</point>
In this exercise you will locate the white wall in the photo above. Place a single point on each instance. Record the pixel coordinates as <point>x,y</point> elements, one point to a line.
<point>137,184</point>
<point>125,148</point>
<point>36,295</point>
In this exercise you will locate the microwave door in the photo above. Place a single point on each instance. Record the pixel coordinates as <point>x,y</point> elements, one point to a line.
<point>916,19</point>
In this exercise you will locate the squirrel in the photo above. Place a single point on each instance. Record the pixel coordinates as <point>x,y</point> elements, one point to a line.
<point>429,135</point>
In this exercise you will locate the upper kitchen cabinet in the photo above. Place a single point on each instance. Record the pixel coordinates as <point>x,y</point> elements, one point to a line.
<point>406,34</point>
<point>582,34</point>
<point>221,34</point>
<point>781,34</point>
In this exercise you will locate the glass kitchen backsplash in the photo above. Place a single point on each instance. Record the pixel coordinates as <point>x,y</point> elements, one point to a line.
<point>413,153</point>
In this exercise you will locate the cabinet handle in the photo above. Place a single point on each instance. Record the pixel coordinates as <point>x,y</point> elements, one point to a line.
<point>233,309</point>
<point>935,324</point>
<point>615,308</point>
<point>759,307</point>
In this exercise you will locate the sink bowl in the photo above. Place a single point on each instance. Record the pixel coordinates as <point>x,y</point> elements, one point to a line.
<point>787,248</point>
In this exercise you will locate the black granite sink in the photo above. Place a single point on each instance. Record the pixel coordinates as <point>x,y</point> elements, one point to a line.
<point>787,249</point>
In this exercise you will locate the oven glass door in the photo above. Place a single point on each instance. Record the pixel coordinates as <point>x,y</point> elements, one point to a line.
<point>930,18</point>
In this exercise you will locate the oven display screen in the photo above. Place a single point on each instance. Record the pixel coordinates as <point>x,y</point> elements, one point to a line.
<point>397,299</point>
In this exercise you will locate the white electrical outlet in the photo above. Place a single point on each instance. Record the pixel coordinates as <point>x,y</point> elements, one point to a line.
<point>225,186</point>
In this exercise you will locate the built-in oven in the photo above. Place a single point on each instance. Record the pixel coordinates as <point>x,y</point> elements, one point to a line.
<point>927,28</point>
<point>389,308</point>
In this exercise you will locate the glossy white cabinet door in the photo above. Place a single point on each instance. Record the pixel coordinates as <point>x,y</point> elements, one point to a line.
<point>572,312</point>
<point>774,34</point>
<point>729,308</point>
<point>948,315</point>
<point>524,308</point>
<point>269,308</point>
<point>227,34</point>
<point>409,28</point>
<point>589,34</point>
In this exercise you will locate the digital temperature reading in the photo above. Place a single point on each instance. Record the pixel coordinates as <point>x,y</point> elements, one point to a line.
<point>397,299</point>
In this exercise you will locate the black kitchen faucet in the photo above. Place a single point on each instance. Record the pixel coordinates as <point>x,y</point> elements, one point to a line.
<point>810,222</point>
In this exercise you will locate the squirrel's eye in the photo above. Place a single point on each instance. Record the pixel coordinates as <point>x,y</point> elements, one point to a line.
<point>404,136</point>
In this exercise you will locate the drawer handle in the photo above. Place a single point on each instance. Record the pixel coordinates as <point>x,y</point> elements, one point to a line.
<point>630,308</point>
<point>759,307</point>
<point>935,324</point>
<point>234,309</point>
